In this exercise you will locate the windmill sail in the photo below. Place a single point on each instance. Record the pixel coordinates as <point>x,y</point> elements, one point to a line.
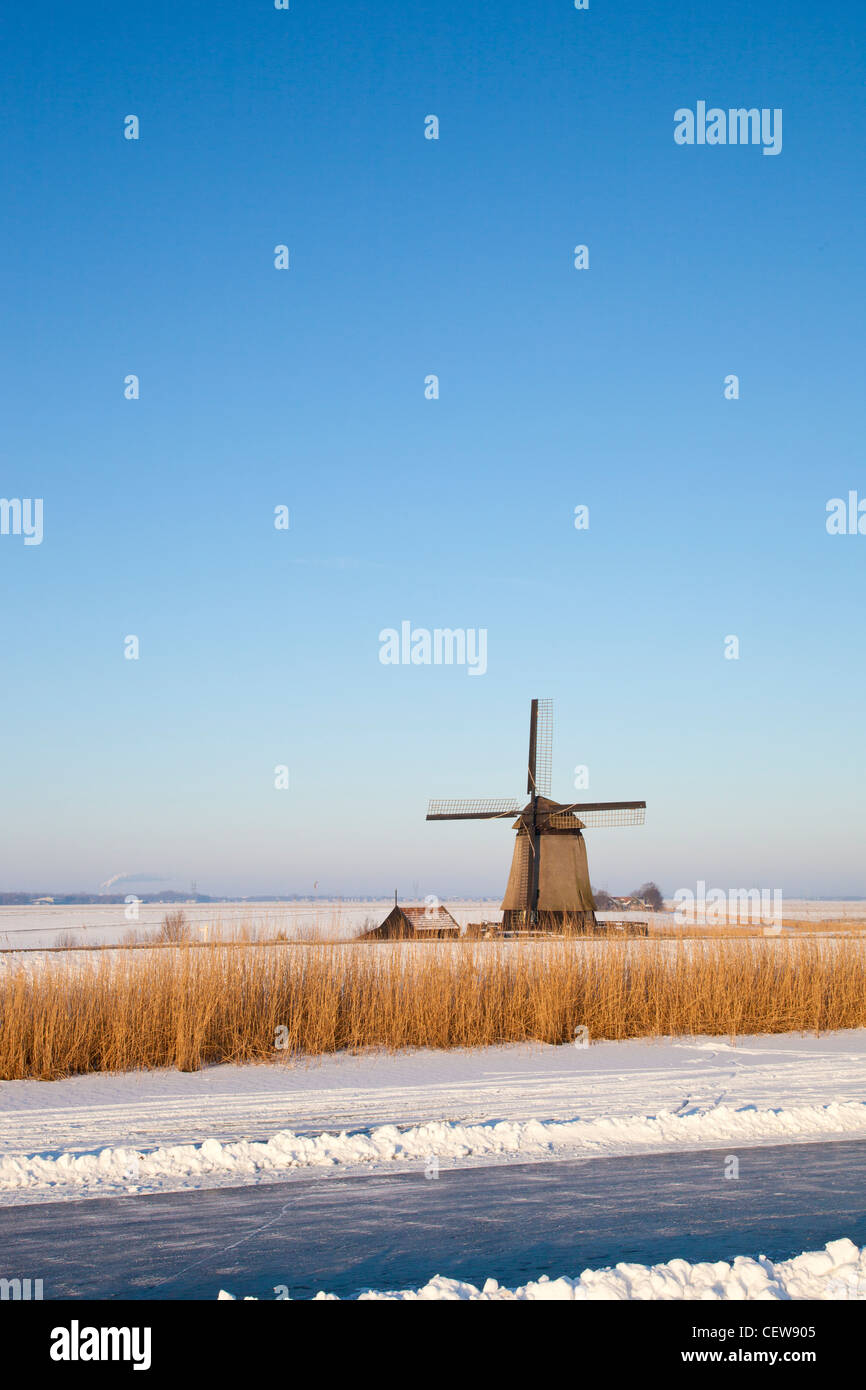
<point>544,748</point>
<point>596,814</point>
<point>533,733</point>
<point>491,809</point>
<point>521,868</point>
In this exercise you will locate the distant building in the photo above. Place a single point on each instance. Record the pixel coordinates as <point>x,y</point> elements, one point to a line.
<point>418,923</point>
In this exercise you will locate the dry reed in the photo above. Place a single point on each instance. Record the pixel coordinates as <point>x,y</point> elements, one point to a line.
<point>185,1008</point>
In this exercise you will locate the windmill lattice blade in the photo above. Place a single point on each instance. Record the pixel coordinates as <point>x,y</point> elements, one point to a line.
<point>530,761</point>
<point>524,857</point>
<point>544,748</point>
<point>491,809</point>
<point>598,814</point>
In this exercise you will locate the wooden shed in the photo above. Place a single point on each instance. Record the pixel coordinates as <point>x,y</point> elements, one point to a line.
<point>415,923</point>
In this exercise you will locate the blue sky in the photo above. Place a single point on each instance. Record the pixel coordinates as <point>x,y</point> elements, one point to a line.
<point>305,387</point>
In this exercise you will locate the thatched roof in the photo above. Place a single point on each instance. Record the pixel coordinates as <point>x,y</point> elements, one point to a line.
<point>430,918</point>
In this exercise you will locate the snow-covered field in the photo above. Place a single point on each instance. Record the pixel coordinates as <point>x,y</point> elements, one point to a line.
<point>105,924</point>
<point>105,1134</point>
<point>836,1272</point>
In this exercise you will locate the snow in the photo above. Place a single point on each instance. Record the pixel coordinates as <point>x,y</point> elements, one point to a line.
<point>102,1135</point>
<point>387,1144</point>
<point>100,924</point>
<point>836,1272</point>
<point>39,925</point>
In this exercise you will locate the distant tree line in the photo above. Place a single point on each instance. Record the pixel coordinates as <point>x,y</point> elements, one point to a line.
<point>648,893</point>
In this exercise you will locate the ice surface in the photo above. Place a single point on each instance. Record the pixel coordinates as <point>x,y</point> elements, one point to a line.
<point>836,1272</point>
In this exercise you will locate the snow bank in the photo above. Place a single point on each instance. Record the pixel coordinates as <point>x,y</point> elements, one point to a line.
<point>836,1272</point>
<point>447,1141</point>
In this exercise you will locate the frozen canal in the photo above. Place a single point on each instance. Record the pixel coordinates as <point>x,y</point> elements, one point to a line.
<point>513,1222</point>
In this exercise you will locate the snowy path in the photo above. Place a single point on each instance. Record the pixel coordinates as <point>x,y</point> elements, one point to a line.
<point>512,1223</point>
<point>151,1109</point>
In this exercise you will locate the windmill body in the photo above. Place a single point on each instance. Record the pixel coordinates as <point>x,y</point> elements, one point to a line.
<point>548,887</point>
<point>564,892</point>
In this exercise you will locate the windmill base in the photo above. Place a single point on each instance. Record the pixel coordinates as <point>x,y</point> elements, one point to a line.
<point>565,923</point>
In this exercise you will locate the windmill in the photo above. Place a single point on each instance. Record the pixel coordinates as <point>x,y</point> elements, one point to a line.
<point>548,886</point>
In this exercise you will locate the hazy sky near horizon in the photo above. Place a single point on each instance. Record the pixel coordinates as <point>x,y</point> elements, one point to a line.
<point>305,387</point>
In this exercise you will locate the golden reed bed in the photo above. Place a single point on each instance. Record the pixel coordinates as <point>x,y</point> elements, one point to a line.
<point>186,1008</point>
